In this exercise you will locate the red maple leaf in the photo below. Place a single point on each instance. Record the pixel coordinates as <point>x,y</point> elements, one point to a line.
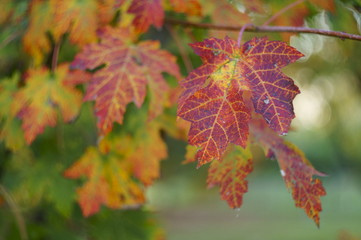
<point>212,99</point>
<point>128,69</point>
<point>147,12</point>
<point>296,170</point>
<point>230,173</point>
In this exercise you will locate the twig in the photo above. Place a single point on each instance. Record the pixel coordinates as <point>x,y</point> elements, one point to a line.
<point>240,35</point>
<point>10,38</point>
<point>54,60</point>
<point>252,28</point>
<point>14,208</point>
<point>280,12</point>
<point>182,50</point>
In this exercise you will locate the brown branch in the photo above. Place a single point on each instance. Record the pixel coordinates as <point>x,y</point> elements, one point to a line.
<point>54,59</point>
<point>253,28</point>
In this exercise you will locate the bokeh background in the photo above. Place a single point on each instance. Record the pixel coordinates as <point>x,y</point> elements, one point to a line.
<point>327,128</point>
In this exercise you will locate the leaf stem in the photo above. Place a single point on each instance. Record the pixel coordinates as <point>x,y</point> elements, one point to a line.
<point>253,28</point>
<point>280,12</point>
<point>54,60</point>
<point>240,35</point>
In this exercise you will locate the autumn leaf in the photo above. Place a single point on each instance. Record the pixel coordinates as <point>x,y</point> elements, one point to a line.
<point>296,170</point>
<point>38,102</point>
<point>107,9</point>
<point>230,173</point>
<point>10,126</point>
<point>143,150</point>
<point>253,6</point>
<point>189,7</point>
<point>148,153</point>
<point>212,98</point>
<point>119,169</point>
<point>225,13</point>
<point>41,20</point>
<point>147,12</point>
<point>108,183</point>
<point>79,18</point>
<point>128,69</point>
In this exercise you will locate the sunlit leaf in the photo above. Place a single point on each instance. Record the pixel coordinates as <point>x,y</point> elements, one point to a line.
<point>212,99</point>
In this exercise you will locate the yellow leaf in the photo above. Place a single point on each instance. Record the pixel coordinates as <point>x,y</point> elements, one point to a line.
<point>37,103</point>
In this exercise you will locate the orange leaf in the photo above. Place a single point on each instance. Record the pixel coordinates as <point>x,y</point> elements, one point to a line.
<point>150,150</point>
<point>147,12</point>
<point>227,14</point>
<point>41,20</point>
<point>296,170</point>
<point>109,182</point>
<point>212,100</point>
<point>36,104</point>
<point>128,69</point>
<point>230,173</point>
<point>190,7</point>
<point>107,9</point>
<point>79,18</point>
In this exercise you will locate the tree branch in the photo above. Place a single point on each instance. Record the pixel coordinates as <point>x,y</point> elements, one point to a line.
<point>253,28</point>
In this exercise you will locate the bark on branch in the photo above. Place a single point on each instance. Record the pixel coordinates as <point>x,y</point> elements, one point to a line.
<point>253,28</point>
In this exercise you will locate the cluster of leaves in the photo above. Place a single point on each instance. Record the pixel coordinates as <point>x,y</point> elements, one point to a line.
<point>239,96</point>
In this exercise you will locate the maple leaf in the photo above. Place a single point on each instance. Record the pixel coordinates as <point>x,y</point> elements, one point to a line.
<point>147,12</point>
<point>147,155</point>
<point>230,173</point>
<point>107,9</point>
<point>79,18</point>
<point>190,7</point>
<point>36,104</point>
<point>225,13</point>
<point>113,167</point>
<point>212,98</point>
<point>10,127</point>
<point>109,182</point>
<point>128,69</point>
<point>143,151</point>
<point>296,170</point>
<point>41,20</point>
